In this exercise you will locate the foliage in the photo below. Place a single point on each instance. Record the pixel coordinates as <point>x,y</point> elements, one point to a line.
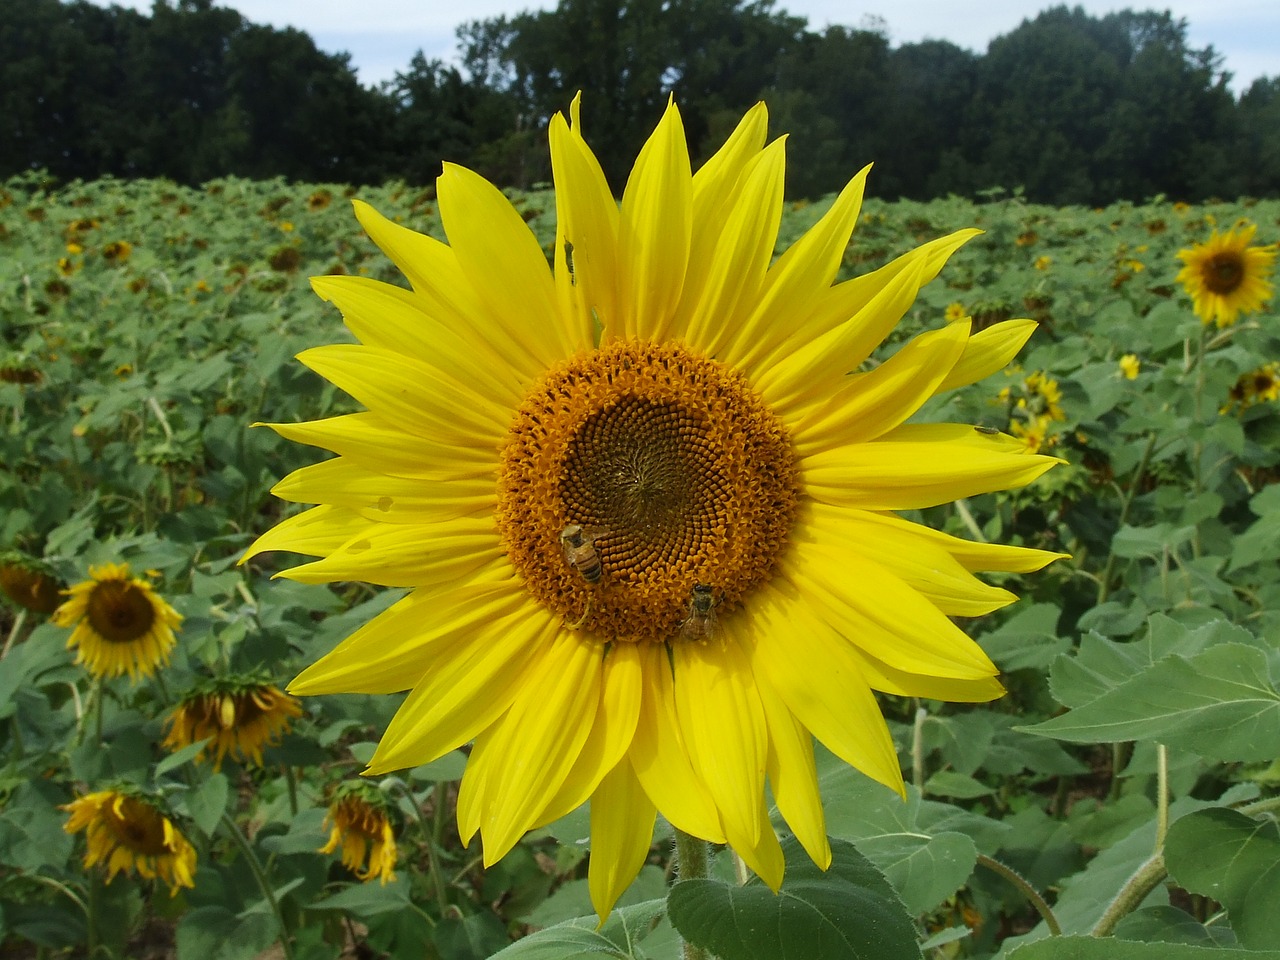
<point>1129,776</point>
<point>1066,108</point>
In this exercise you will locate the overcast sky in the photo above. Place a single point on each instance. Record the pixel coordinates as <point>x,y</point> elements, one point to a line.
<point>382,35</point>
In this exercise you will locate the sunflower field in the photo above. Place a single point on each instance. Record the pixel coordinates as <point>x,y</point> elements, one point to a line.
<point>163,794</point>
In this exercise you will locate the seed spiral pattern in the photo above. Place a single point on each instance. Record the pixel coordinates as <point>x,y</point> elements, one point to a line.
<point>674,467</point>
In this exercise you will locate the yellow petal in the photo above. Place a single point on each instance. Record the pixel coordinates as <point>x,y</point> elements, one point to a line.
<point>611,733</point>
<point>468,689</point>
<point>388,499</point>
<point>394,319</point>
<point>912,474</point>
<point>660,758</point>
<point>315,532</point>
<point>433,269</point>
<point>821,684</point>
<point>491,241</point>
<point>793,775</point>
<point>654,233</point>
<point>586,217</point>
<point>723,727</point>
<point>622,820</point>
<point>411,395</point>
<point>369,440</point>
<point>988,351</point>
<point>540,738</point>
<point>869,404</point>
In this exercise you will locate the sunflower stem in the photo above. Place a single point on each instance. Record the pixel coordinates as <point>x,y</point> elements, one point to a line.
<point>291,782</point>
<point>1030,892</point>
<point>428,833</point>
<point>255,867</point>
<point>917,747</point>
<point>1162,795</point>
<point>93,898</point>
<point>13,631</point>
<point>691,864</point>
<point>1104,579</point>
<point>1145,879</point>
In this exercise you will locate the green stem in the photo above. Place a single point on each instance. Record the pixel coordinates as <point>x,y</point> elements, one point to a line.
<point>1162,795</point>
<point>1136,889</point>
<point>13,632</point>
<point>1030,892</point>
<point>917,747</point>
<point>1256,807</point>
<point>91,914</point>
<point>691,864</point>
<point>255,866</point>
<point>433,860</point>
<point>291,781</point>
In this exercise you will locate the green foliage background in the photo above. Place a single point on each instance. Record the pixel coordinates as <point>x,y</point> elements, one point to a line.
<point>1142,670</point>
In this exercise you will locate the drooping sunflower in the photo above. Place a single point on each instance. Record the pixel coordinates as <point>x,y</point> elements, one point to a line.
<point>120,624</point>
<point>127,831</point>
<point>28,582</point>
<point>240,715</point>
<point>647,501</point>
<point>362,828</point>
<point>1225,276</point>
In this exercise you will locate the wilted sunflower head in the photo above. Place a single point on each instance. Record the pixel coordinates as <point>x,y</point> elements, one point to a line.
<point>126,830</point>
<point>120,624</point>
<point>1226,276</point>
<point>238,715</point>
<point>646,500</point>
<point>28,582</point>
<point>361,818</point>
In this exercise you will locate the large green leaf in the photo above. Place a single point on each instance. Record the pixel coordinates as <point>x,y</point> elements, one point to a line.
<point>848,912</point>
<point>1220,704</point>
<point>579,939</point>
<point>1234,859</point>
<point>1109,948</point>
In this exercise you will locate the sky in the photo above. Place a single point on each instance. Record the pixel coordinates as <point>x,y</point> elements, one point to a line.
<point>383,35</point>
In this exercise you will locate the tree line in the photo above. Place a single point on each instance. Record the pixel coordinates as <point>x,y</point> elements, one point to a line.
<point>1068,107</point>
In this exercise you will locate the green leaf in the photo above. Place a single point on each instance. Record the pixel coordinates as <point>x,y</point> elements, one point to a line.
<point>473,937</point>
<point>178,758</point>
<point>206,802</point>
<point>578,939</point>
<point>1109,948</point>
<point>1234,859</point>
<point>215,933</point>
<point>367,899</point>
<point>849,912</point>
<point>1219,704</point>
<point>948,783</point>
<point>1165,924</point>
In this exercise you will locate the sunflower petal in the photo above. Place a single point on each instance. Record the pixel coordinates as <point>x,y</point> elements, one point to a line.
<point>379,497</point>
<point>622,821</point>
<point>987,351</point>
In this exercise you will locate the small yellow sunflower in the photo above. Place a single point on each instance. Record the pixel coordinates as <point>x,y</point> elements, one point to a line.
<point>117,251</point>
<point>1226,276</point>
<point>127,831</point>
<point>240,715</point>
<point>955,312</point>
<point>29,583</point>
<point>362,828</point>
<point>1256,386</point>
<point>1130,366</point>
<point>120,624</point>
<point>647,500</point>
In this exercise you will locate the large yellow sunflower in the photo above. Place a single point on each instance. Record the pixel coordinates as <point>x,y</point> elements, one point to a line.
<point>1225,276</point>
<point>126,831</point>
<point>646,501</point>
<point>238,715</point>
<point>121,625</point>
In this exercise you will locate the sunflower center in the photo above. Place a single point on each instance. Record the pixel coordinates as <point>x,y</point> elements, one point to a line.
<point>1224,272</point>
<point>138,828</point>
<point>632,474</point>
<point>120,612</point>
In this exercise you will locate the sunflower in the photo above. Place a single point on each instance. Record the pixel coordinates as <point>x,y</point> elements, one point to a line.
<point>1256,386</point>
<point>29,583</point>
<point>121,625</point>
<point>362,828</point>
<point>240,714</point>
<point>1130,366</point>
<point>647,511</point>
<point>1226,276</point>
<point>127,831</point>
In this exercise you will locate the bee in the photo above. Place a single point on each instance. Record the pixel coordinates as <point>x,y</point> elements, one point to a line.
<point>578,544</point>
<point>580,553</point>
<point>700,624</point>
